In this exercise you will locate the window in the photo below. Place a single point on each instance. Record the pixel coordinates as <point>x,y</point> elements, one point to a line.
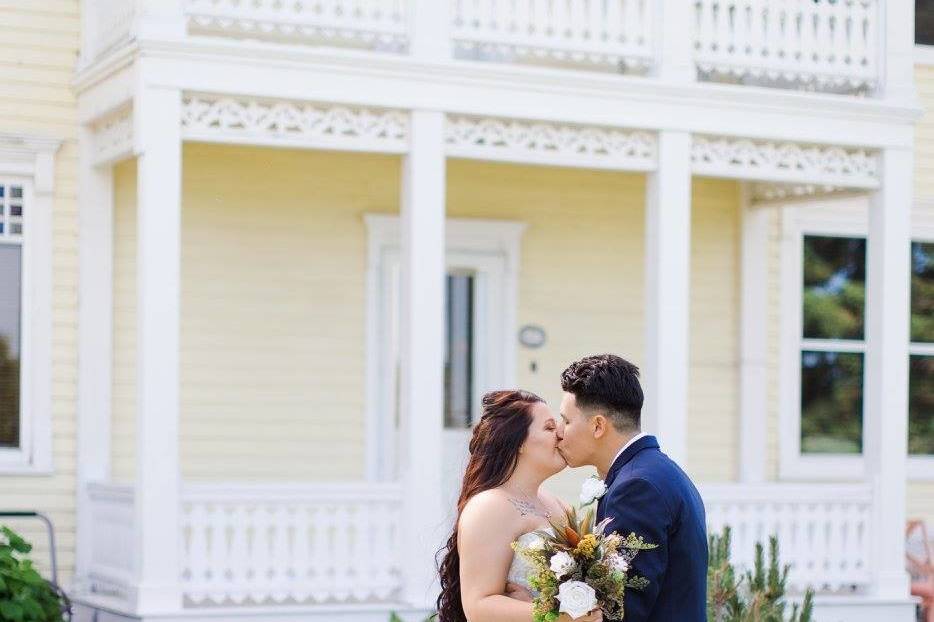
<point>11,286</point>
<point>832,344</point>
<point>924,22</point>
<point>921,368</point>
<point>824,342</point>
<point>459,352</point>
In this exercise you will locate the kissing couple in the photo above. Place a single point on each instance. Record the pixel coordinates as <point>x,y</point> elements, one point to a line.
<point>517,445</point>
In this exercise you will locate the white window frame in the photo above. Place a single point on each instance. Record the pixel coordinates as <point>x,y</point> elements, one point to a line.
<point>833,217</point>
<point>30,162</point>
<point>489,249</point>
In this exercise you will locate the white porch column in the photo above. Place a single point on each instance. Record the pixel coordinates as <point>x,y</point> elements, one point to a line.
<point>667,285</point>
<point>886,390</point>
<point>157,116</point>
<point>753,374</point>
<point>422,353</point>
<point>674,39</point>
<point>95,333</point>
<point>897,51</point>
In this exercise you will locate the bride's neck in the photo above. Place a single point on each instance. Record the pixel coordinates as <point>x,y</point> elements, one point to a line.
<point>525,480</point>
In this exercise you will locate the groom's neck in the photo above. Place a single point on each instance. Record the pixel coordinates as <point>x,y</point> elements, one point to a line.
<point>613,446</point>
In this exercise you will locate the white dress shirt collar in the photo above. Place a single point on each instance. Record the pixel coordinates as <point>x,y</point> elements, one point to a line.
<point>626,446</point>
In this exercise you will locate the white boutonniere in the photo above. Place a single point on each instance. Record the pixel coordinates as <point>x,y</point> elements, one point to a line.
<point>593,489</point>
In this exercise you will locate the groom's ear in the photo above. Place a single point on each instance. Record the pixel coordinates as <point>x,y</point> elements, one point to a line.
<point>599,425</point>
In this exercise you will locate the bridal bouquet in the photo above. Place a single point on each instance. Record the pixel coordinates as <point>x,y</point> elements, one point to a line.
<point>575,568</point>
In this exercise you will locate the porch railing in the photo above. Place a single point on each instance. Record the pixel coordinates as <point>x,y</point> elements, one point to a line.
<point>303,543</point>
<point>823,530</point>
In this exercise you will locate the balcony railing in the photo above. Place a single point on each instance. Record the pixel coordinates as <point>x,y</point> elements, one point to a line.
<point>825,45</point>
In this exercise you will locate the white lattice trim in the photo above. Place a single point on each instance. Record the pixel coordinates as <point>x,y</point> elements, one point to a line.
<point>251,121</point>
<point>113,136</point>
<point>369,24</point>
<point>776,192</point>
<point>538,142</point>
<point>820,165</point>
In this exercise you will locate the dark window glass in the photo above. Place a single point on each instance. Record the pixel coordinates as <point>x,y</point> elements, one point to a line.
<point>922,292</point>
<point>10,297</point>
<point>834,287</point>
<point>831,403</point>
<point>921,405</point>
<point>458,352</point>
<point>924,22</point>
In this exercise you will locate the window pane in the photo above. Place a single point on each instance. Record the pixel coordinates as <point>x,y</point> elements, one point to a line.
<point>834,287</point>
<point>831,402</point>
<point>10,283</point>
<point>921,405</point>
<point>458,352</point>
<point>924,22</point>
<point>922,292</point>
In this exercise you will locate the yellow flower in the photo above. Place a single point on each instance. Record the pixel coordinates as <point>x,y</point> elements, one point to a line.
<point>587,545</point>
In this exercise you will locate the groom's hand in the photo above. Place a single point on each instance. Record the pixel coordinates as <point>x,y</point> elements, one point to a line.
<point>514,590</point>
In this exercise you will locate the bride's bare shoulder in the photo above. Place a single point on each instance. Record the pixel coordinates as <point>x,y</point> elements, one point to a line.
<point>490,507</point>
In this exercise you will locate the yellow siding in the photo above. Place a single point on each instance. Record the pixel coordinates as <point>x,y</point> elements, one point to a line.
<point>123,421</point>
<point>38,47</point>
<point>273,300</point>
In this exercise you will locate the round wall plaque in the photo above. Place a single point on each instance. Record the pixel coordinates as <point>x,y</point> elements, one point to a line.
<point>532,336</point>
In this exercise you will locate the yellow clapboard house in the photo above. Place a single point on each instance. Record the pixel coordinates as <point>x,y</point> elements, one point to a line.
<point>239,239</point>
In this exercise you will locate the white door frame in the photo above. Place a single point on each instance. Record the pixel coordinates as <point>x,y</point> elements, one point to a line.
<point>489,249</point>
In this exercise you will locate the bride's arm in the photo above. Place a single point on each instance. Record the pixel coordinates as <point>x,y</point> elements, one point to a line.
<point>484,538</point>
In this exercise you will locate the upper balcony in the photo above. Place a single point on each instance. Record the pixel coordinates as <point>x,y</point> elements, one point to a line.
<point>830,46</point>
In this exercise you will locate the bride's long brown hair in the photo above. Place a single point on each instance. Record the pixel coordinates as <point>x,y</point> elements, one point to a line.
<point>494,452</point>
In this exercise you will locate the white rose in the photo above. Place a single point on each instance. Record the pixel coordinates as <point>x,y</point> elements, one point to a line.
<point>593,489</point>
<point>577,598</point>
<point>617,562</point>
<point>562,564</point>
<point>536,544</point>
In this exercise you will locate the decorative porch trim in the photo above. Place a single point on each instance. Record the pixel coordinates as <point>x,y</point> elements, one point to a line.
<point>763,192</point>
<point>113,137</point>
<point>244,120</point>
<point>542,142</point>
<point>795,163</point>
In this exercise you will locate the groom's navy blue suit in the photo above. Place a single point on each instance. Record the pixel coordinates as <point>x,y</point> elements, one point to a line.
<point>647,493</point>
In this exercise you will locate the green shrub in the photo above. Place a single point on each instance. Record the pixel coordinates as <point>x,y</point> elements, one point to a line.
<point>24,595</point>
<point>757,596</point>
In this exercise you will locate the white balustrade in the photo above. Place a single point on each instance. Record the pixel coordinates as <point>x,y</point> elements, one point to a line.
<point>112,565</point>
<point>371,24</point>
<point>597,32</point>
<point>823,530</point>
<point>822,44</point>
<point>303,543</point>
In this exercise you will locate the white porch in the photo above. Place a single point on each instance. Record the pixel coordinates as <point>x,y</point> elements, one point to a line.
<point>161,74</point>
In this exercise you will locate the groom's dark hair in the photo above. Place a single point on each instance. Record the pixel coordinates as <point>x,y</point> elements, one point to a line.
<point>607,382</point>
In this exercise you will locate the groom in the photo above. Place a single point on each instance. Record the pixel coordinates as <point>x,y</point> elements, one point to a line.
<point>647,493</point>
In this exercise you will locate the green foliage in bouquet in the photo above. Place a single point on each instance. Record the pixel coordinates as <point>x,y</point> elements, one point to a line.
<point>599,560</point>
<point>757,596</point>
<point>24,595</point>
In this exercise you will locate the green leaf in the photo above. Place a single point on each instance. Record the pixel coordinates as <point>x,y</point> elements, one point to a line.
<point>16,542</point>
<point>11,611</point>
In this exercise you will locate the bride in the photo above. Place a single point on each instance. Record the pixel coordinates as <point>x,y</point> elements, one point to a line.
<point>512,451</point>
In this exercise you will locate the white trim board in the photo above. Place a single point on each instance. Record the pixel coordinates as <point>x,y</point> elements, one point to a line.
<point>832,216</point>
<point>30,162</point>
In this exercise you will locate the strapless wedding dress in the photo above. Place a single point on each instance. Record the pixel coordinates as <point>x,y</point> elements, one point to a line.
<point>520,568</point>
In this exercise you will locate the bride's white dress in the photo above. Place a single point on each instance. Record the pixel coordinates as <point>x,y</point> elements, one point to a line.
<point>520,568</point>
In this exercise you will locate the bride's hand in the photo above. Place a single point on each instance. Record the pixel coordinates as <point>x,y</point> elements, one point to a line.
<point>594,616</point>
<point>514,590</point>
